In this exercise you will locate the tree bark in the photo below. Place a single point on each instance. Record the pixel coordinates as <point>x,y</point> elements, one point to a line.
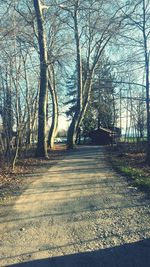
<point>72,131</point>
<point>146,54</point>
<point>54,125</point>
<point>41,150</point>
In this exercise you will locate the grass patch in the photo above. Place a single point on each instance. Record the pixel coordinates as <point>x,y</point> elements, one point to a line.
<point>138,177</point>
<point>133,139</point>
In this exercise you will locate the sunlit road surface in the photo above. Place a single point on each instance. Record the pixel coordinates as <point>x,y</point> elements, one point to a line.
<point>77,213</point>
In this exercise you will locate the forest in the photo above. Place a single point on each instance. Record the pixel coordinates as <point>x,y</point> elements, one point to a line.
<point>83,62</point>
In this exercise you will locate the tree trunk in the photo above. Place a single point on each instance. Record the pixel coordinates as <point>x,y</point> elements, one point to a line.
<point>54,124</point>
<point>87,89</point>
<point>16,149</point>
<point>8,121</point>
<point>72,134</point>
<point>42,144</point>
<point>148,111</point>
<point>146,53</point>
<point>72,131</point>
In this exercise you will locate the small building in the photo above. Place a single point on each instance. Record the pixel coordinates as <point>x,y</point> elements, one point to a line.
<point>102,136</point>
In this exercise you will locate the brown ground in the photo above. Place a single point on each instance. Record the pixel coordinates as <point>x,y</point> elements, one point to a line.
<point>12,181</point>
<point>78,213</point>
<point>133,154</point>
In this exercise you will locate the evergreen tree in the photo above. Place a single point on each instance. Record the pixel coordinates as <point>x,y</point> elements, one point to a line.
<point>71,85</point>
<point>101,108</point>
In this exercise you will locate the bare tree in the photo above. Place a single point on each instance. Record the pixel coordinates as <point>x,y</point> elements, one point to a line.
<point>42,144</point>
<point>137,36</point>
<point>93,27</point>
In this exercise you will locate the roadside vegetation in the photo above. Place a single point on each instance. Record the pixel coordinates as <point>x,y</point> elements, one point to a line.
<point>128,159</point>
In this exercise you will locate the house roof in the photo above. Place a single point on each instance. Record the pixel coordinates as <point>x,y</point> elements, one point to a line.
<point>104,130</point>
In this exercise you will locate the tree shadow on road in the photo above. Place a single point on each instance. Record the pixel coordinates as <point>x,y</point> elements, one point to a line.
<point>129,255</point>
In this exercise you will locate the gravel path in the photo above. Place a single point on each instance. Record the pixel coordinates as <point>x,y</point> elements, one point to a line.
<point>78,213</point>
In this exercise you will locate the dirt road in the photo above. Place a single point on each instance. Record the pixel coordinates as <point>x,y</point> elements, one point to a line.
<point>78,213</point>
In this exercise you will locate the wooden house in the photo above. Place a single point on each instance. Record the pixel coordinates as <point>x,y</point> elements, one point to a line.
<point>102,136</point>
